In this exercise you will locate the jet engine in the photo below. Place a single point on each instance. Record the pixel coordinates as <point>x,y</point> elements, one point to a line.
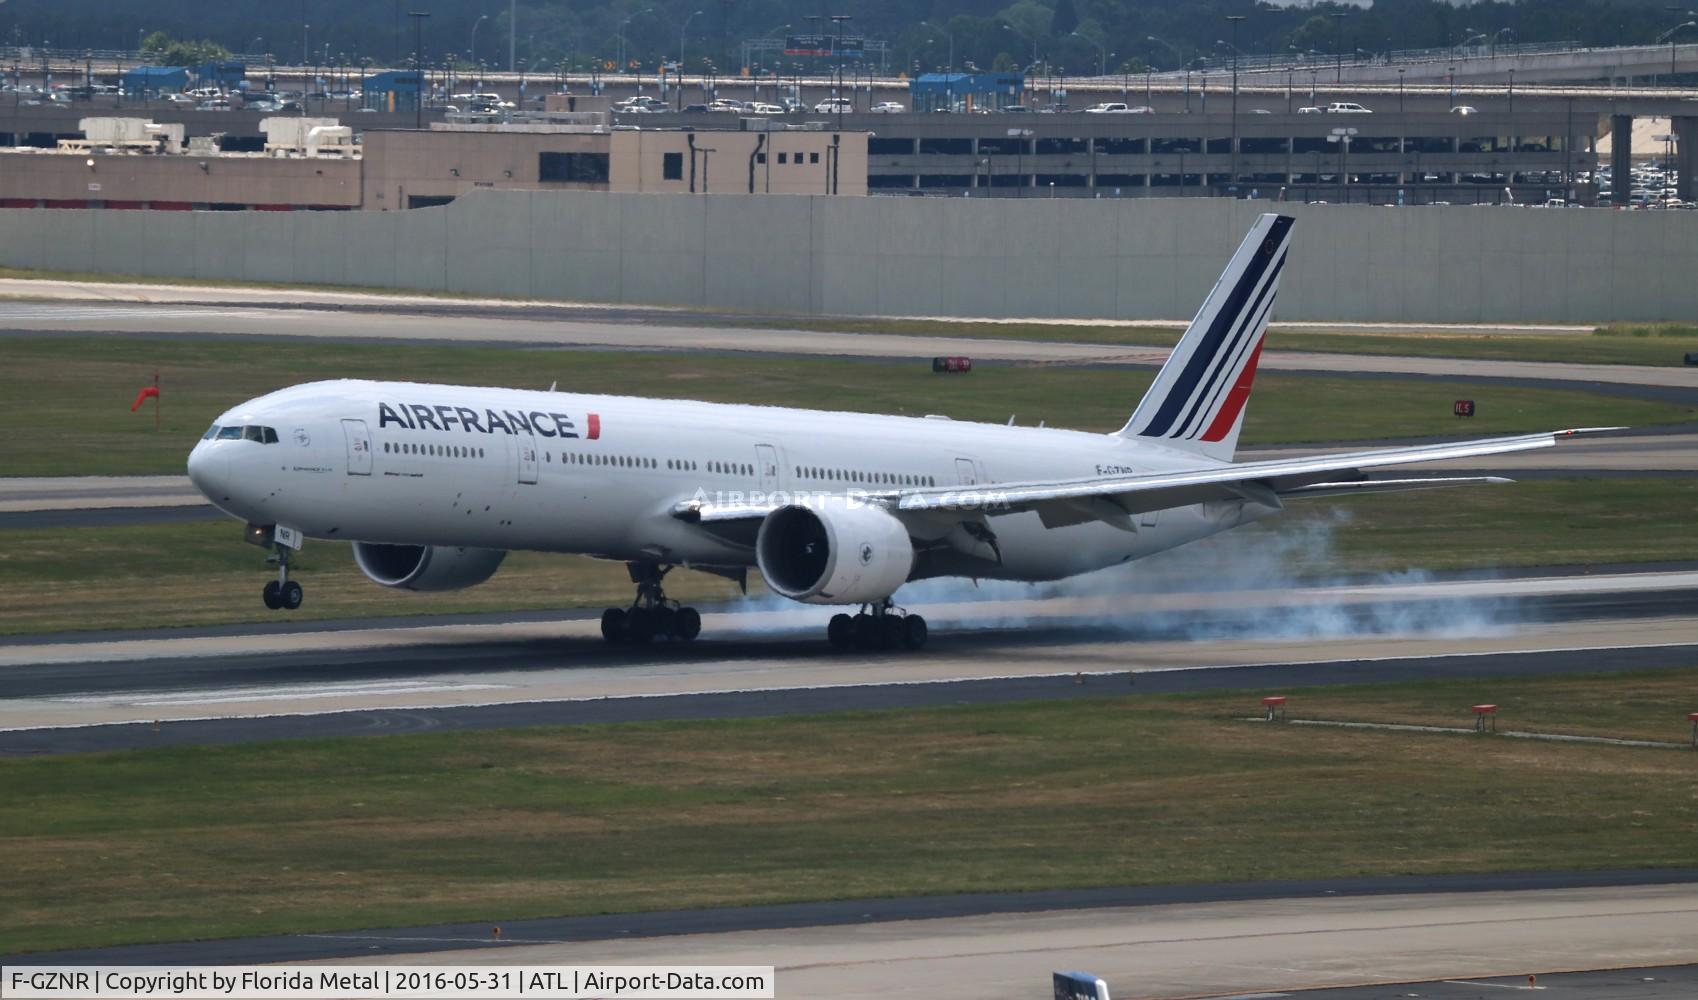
<point>838,552</point>
<point>427,567</point>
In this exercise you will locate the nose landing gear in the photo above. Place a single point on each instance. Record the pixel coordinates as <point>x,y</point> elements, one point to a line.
<point>652,615</point>
<point>880,625</point>
<point>282,593</point>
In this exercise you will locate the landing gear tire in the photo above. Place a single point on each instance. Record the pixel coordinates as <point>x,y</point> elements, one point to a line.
<point>686,624</point>
<point>273,595</point>
<point>869,632</point>
<point>841,631</point>
<point>895,631</point>
<point>914,632</point>
<point>879,626</point>
<point>293,594</point>
<point>613,624</point>
<point>639,626</point>
<point>651,616</point>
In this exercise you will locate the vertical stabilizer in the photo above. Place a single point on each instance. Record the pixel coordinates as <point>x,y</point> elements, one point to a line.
<point>1197,400</point>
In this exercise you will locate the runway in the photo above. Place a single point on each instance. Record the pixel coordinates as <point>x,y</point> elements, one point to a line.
<point>247,683</point>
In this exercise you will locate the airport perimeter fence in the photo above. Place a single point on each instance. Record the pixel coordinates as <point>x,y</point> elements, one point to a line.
<point>1065,258</point>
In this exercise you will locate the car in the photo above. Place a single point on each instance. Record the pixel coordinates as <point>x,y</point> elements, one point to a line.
<point>834,105</point>
<point>1015,109</point>
<point>1260,111</point>
<point>792,105</point>
<point>692,109</point>
<point>179,99</point>
<point>1109,108</point>
<point>888,108</point>
<point>1347,108</point>
<point>1309,111</point>
<point>219,104</point>
<point>728,105</point>
<point>758,108</point>
<point>1464,109</point>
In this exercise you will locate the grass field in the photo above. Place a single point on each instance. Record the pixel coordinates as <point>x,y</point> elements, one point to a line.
<point>224,841</point>
<point>66,407</point>
<point>201,574</point>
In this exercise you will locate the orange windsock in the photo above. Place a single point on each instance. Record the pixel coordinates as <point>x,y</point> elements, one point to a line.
<point>148,392</point>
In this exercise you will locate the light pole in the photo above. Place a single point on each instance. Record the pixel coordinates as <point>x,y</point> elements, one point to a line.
<point>472,45</point>
<point>681,35</point>
<point>1497,35</point>
<point>1102,51</point>
<point>946,34</point>
<point>837,63</point>
<point>1338,17</point>
<point>1006,26</point>
<point>1669,34</point>
<point>512,35</point>
<point>782,27</point>
<point>621,34</point>
<point>418,17</point>
<point>1233,20</point>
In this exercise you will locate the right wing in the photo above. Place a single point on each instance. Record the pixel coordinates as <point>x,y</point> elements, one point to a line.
<point>1070,501</point>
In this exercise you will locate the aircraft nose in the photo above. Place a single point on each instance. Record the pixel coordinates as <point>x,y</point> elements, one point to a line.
<point>207,464</point>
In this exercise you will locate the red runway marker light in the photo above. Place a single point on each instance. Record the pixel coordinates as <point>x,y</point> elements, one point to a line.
<point>1274,706</point>
<point>1481,714</point>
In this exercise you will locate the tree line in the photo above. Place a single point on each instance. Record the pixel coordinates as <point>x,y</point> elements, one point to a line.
<point>1076,36</point>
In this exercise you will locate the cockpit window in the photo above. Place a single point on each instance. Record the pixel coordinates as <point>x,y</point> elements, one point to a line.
<point>211,432</point>
<point>252,432</point>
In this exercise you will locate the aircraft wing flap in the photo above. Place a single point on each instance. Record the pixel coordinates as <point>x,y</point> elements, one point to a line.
<point>1256,481</point>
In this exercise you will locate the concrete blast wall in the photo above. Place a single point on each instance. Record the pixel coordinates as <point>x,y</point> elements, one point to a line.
<point>1128,259</point>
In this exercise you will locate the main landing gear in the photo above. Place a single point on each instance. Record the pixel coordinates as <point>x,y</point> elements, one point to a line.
<point>282,593</point>
<point>651,616</point>
<point>879,626</point>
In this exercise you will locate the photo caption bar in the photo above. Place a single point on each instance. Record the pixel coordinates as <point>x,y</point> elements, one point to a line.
<point>370,982</point>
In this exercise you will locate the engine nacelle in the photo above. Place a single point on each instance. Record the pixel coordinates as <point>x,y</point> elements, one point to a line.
<point>838,552</point>
<point>427,567</point>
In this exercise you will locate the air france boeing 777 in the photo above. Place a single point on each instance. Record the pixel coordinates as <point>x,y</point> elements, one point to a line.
<point>434,484</point>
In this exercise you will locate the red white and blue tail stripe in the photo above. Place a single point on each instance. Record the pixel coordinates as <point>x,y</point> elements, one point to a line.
<point>1197,400</point>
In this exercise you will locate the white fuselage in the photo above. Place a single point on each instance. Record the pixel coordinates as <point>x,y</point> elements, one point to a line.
<point>419,464</point>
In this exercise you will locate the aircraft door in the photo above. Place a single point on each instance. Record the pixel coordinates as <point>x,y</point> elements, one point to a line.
<point>359,447</point>
<point>766,467</point>
<point>527,445</point>
<point>965,470</point>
